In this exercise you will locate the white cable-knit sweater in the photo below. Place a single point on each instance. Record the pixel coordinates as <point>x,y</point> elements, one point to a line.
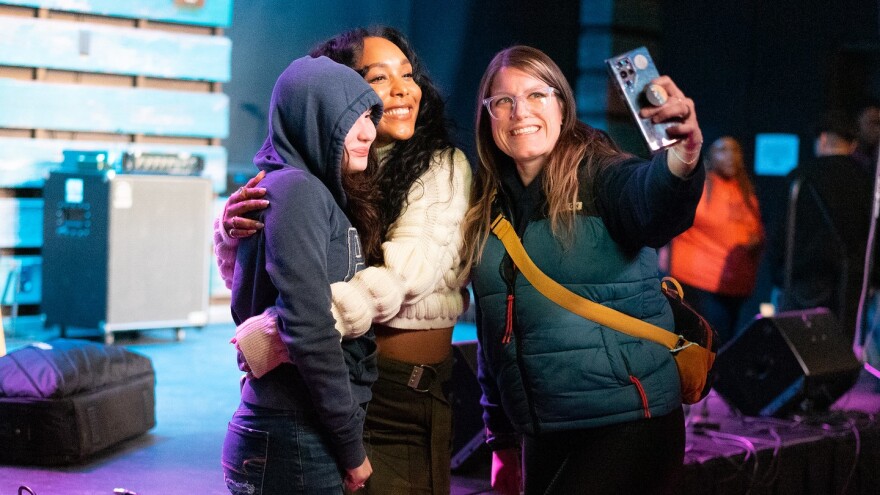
<point>417,287</point>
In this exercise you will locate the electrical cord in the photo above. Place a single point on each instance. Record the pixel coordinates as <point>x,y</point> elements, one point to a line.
<point>750,452</point>
<point>858,451</point>
<point>773,469</point>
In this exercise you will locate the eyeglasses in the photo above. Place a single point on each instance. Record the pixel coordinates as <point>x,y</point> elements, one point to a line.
<point>501,106</point>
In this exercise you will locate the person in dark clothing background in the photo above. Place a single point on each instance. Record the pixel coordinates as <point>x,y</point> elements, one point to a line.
<point>867,135</point>
<point>867,141</point>
<point>817,253</point>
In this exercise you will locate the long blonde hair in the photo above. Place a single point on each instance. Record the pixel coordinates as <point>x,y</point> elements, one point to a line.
<point>577,141</point>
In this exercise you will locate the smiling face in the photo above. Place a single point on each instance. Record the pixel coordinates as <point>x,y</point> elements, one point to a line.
<point>526,136</point>
<point>390,73</point>
<point>726,157</point>
<point>357,144</point>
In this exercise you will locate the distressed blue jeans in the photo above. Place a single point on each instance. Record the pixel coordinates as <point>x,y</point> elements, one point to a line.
<point>275,452</point>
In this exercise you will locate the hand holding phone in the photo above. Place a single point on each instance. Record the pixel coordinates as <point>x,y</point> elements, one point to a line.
<point>633,72</point>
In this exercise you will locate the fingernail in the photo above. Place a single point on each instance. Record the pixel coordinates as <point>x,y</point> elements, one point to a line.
<point>265,202</point>
<point>260,225</point>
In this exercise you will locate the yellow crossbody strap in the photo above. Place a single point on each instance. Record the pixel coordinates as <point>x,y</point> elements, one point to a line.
<point>569,300</point>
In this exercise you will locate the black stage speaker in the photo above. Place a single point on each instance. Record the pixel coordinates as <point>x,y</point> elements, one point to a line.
<point>469,434</point>
<point>794,363</point>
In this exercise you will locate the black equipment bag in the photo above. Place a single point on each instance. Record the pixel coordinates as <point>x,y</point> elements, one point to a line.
<point>64,400</point>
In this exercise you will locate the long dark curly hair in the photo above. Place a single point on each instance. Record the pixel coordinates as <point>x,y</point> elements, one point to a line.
<point>409,159</point>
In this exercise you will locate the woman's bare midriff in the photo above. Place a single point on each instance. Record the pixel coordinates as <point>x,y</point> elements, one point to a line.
<point>414,346</point>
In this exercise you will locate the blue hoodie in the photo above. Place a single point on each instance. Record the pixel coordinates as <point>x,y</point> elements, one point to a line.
<point>307,244</point>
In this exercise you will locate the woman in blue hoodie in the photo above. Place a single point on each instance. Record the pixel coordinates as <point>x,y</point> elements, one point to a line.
<point>299,427</point>
<point>411,291</point>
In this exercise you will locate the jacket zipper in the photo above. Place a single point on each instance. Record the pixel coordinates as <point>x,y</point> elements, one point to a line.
<point>640,389</point>
<point>510,331</point>
<point>511,298</point>
<point>644,397</point>
<point>509,278</point>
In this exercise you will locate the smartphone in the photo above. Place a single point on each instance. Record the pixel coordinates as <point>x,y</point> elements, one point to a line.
<point>633,72</point>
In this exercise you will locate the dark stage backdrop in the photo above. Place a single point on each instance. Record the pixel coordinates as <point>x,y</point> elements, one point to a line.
<point>455,38</point>
<point>755,67</point>
<point>752,66</point>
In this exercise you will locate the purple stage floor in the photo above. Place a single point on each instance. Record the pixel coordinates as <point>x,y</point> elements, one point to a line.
<point>197,391</point>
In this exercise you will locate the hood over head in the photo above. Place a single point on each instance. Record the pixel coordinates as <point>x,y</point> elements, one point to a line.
<point>314,104</point>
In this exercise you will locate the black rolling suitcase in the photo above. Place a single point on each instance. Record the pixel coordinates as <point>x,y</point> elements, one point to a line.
<point>64,400</point>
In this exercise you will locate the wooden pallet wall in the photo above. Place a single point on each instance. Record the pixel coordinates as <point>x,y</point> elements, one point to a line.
<point>101,75</point>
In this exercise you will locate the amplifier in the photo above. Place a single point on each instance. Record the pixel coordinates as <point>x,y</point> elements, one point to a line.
<point>133,162</point>
<point>126,252</point>
<point>162,163</point>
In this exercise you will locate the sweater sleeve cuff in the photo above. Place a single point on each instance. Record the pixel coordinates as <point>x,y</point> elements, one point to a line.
<point>352,453</point>
<point>258,341</point>
<point>350,310</point>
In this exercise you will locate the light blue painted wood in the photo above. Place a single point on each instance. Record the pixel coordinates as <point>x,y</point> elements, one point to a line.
<point>216,13</point>
<point>21,280</point>
<point>88,47</point>
<point>80,107</point>
<point>27,162</point>
<point>21,222</point>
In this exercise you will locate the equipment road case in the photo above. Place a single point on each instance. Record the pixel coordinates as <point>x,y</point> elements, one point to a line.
<point>64,400</point>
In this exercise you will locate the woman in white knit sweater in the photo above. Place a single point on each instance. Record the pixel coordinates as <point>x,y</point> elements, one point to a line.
<point>412,292</point>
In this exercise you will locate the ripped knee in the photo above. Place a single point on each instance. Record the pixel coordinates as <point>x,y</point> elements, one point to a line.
<point>239,487</point>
